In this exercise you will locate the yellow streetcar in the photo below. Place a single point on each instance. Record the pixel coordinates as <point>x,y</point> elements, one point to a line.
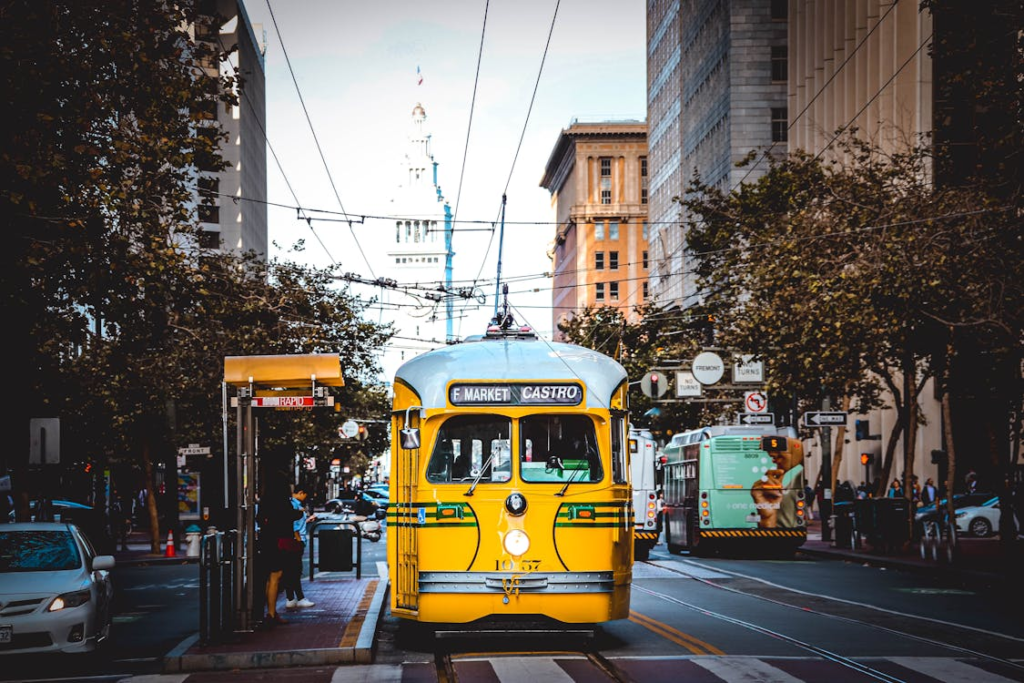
<point>509,483</point>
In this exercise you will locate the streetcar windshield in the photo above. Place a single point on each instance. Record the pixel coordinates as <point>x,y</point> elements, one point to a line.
<point>558,448</point>
<point>465,447</point>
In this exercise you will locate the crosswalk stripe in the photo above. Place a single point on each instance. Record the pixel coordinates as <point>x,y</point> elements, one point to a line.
<point>744,670</point>
<point>533,669</point>
<point>948,670</point>
<point>360,673</point>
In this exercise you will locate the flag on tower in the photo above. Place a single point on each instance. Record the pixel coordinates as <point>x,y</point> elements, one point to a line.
<point>419,76</point>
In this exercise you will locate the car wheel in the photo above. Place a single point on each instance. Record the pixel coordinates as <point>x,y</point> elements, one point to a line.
<point>980,527</point>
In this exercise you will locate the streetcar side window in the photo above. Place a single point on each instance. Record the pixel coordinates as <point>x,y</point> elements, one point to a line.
<point>464,448</point>
<point>619,452</point>
<point>558,448</point>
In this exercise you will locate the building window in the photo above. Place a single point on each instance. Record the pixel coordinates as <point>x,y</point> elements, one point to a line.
<point>613,230</point>
<point>613,260</point>
<point>644,232</point>
<point>599,260</point>
<point>599,289</point>
<point>398,232</point>
<point>646,292</point>
<point>779,64</point>
<point>209,213</point>
<point>613,290</point>
<point>209,239</point>
<point>780,11</point>
<point>645,259</point>
<point>643,181</point>
<point>599,231</point>
<point>606,180</point>
<point>779,124</point>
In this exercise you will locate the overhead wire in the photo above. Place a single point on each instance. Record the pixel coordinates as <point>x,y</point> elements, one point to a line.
<point>316,140</point>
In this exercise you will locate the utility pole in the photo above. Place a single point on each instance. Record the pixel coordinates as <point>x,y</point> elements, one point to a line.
<point>826,476</point>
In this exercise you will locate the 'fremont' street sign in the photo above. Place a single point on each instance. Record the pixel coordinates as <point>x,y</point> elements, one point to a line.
<point>822,419</point>
<point>757,418</point>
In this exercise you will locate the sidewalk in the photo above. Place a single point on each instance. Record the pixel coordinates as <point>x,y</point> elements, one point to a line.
<point>339,629</point>
<point>978,559</point>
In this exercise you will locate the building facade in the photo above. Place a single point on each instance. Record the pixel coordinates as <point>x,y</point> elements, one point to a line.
<point>418,258</point>
<point>597,177</point>
<point>232,202</point>
<point>716,90</point>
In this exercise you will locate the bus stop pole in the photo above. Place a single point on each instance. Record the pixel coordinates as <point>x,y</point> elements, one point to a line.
<point>826,477</point>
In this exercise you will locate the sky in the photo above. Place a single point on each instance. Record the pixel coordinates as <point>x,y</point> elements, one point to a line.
<point>355,64</point>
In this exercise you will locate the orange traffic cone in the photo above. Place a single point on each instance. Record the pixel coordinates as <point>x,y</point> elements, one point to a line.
<point>171,551</point>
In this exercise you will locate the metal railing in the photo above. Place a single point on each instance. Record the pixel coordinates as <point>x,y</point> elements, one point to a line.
<point>217,560</point>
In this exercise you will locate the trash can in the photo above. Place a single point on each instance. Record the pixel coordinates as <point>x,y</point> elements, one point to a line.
<point>893,521</point>
<point>192,535</point>
<point>335,549</point>
<point>843,528</point>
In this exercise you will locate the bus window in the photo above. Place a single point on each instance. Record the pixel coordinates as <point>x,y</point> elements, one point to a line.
<point>459,455</point>
<point>555,448</point>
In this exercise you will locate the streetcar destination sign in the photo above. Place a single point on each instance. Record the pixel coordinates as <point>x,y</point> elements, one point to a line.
<point>517,394</point>
<point>824,419</point>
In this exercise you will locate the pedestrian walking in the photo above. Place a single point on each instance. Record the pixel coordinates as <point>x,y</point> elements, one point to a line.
<point>294,597</point>
<point>659,510</point>
<point>895,489</point>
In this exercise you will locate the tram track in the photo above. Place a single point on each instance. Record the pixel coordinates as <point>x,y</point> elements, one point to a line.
<point>887,621</point>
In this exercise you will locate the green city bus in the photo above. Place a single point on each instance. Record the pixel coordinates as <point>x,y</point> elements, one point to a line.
<point>734,488</point>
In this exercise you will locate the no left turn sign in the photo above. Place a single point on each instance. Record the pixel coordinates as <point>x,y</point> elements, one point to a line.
<point>755,401</point>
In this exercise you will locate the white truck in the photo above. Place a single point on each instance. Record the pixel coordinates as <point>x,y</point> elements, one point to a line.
<point>642,452</point>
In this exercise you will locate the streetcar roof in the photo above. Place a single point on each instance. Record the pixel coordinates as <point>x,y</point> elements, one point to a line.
<point>511,360</point>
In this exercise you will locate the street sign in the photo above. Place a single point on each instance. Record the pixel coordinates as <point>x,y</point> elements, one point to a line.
<point>746,369</point>
<point>291,401</point>
<point>687,384</point>
<point>824,419</point>
<point>350,428</point>
<point>755,401</point>
<point>708,367</point>
<point>194,449</point>
<point>757,418</point>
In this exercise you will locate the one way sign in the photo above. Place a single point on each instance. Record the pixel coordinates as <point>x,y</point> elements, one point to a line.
<point>757,418</point>
<point>821,419</point>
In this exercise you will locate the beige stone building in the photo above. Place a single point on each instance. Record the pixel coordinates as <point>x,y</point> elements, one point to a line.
<point>597,177</point>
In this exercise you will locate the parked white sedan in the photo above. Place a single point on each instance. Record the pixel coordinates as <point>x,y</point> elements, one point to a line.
<point>56,593</point>
<point>981,520</point>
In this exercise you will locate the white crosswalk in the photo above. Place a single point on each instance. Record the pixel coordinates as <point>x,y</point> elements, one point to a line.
<point>568,668</point>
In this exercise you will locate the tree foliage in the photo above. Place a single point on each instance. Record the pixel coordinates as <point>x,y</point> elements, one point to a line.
<point>119,321</point>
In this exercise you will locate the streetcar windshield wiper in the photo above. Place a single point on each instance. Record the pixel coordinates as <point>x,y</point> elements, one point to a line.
<point>572,477</point>
<point>480,475</point>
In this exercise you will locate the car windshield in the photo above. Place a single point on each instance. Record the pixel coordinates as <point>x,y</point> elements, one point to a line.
<point>38,551</point>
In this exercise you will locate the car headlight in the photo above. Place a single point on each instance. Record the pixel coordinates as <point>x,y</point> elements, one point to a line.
<point>961,515</point>
<point>516,542</point>
<point>73,599</point>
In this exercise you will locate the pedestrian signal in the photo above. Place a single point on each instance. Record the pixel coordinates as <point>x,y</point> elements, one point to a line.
<point>866,458</point>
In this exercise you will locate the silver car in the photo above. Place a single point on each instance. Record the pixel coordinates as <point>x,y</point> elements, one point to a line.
<point>56,593</point>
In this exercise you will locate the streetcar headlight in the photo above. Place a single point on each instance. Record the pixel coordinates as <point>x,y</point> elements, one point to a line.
<point>516,542</point>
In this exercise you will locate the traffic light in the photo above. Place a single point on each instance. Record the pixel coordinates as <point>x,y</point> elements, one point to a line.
<point>861,429</point>
<point>866,458</point>
<point>362,433</point>
<point>939,457</point>
<point>656,384</point>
